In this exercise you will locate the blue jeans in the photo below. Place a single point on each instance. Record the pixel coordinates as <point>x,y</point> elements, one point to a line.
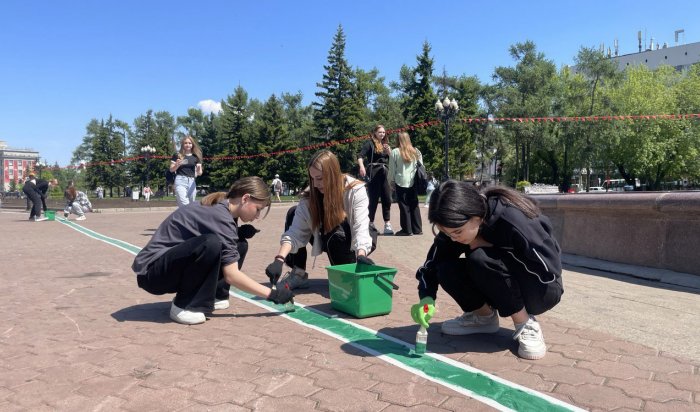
<point>185,190</point>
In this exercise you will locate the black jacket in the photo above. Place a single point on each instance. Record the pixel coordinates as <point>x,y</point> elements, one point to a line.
<point>529,242</point>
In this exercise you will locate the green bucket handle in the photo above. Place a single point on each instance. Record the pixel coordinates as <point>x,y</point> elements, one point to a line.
<point>393,285</point>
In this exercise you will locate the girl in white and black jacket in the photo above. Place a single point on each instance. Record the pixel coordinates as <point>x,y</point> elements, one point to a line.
<point>511,264</point>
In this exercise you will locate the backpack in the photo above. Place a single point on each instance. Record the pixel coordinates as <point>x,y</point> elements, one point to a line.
<point>420,180</point>
<point>278,185</point>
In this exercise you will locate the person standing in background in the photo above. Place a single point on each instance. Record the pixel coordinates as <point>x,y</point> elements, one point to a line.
<point>432,184</point>
<point>277,187</point>
<point>402,171</point>
<point>372,161</point>
<point>147,193</point>
<point>187,166</point>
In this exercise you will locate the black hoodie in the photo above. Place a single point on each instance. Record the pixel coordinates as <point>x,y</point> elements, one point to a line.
<point>529,241</point>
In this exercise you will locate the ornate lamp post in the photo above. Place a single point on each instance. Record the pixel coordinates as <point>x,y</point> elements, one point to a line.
<point>40,165</point>
<point>147,151</point>
<point>446,111</point>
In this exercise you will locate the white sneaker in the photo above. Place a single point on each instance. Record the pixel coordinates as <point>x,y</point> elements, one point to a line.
<point>81,217</point>
<point>388,229</point>
<point>470,323</point>
<point>531,341</point>
<point>41,219</point>
<point>186,317</point>
<point>221,304</point>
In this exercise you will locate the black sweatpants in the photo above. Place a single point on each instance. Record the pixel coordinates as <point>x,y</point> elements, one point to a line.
<point>491,275</point>
<point>378,188</point>
<point>190,270</point>
<point>337,244</point>
<point>409,213</point>
<point>36,199</point>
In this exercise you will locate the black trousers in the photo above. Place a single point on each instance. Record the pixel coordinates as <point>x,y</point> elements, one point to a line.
<point>223,288</point>
<point>190,270</point>
<point>378,188</point>
<point>409,213</point>
<point>36,200</point>
<point>337,244</point>
<point>490,275</point>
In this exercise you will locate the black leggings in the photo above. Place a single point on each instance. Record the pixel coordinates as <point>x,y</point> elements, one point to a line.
<point>190,270</point>
<point>37,202</point>
<point>491,275</point>
<point>337,244</point>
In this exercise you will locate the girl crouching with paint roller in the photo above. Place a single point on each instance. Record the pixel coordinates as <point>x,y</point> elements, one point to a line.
<point>196,246</point>
<point>511,267</point>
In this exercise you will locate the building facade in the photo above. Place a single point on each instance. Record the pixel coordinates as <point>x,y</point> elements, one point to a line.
<point>16,164</point>
<point>680,57</point>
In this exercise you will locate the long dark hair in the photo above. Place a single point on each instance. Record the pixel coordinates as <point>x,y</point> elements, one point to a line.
<point>453,203</point>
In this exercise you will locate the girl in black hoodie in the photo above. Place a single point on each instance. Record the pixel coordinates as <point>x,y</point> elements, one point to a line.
<point>511,264</point>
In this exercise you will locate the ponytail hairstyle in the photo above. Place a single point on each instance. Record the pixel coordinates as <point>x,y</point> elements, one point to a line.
<point>196,150</point>
<point>249,185</point>
<point>453,203</point>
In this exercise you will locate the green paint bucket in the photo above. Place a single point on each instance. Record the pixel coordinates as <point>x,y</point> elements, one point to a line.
<point>50,214</point>
<point>361,290</point>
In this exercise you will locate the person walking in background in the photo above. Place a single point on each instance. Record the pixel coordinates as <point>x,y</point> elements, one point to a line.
<point>77,202</point>
<point>147,193</point>
<point>187,166</point>
<point>403,163</point>
<point>373,161</point>
<point>432,184</point>
<point>196,246</point>
<point>277,187</point>
<point>512,265</point>
<point>333,212</point>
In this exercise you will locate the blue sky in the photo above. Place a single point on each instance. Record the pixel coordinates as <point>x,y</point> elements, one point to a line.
<point>64,63</point>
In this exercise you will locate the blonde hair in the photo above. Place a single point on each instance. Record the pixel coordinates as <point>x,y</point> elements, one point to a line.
<point>327,208</point>
<point>378,144</point>
<point>408,152</point>
<point>250,185</point>
<point>196,150</point>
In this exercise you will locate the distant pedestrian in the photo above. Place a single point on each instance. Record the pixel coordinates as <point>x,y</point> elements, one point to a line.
<point>187,166</point>
<point>373,167</point>
<point>432,184</point>
<point>147,193</point>
<point>277,187</point>
<point>403,164</point>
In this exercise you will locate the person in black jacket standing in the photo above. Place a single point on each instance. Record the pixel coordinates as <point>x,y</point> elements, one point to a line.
<point>373,163</point>
<point>512,264</point>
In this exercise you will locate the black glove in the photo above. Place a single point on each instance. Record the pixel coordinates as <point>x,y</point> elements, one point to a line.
<point>364,260</point>
<point>274,271</point>
<point>281,296</point>
<point>247,231</point>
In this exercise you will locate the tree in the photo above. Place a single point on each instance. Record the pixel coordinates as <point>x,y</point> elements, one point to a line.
<point>418,105</point>
<point>339,111</point>
<point>233,139</point>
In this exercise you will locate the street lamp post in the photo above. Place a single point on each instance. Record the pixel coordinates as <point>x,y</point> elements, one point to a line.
<point>446,111</point>
<point>40,165</point>
<point>147,151</point>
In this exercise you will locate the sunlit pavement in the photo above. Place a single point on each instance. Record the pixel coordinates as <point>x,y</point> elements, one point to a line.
<point>76,333</point>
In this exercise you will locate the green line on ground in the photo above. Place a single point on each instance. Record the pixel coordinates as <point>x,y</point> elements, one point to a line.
<point>474,382</point>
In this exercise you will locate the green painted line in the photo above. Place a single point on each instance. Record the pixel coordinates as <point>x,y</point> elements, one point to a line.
<point>482,386</point>
<point>114,242</point>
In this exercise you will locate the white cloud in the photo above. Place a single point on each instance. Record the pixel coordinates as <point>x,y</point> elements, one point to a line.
<point>209,106</point>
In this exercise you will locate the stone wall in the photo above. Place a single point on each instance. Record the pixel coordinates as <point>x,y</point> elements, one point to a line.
<point>660,230</point>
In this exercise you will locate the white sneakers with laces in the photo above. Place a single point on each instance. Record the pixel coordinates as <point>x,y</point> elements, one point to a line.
<point>530,340</point>
<point>186,317</point>
<point>470,323</point>
<point>388,230</point>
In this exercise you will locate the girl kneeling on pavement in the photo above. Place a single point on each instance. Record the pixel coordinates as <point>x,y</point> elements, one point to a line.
<point>511,267</point>
<point>196,246</point>
<point>332,214</point>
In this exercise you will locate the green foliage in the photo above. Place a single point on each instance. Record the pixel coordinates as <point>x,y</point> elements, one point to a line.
<point>521,185</point>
